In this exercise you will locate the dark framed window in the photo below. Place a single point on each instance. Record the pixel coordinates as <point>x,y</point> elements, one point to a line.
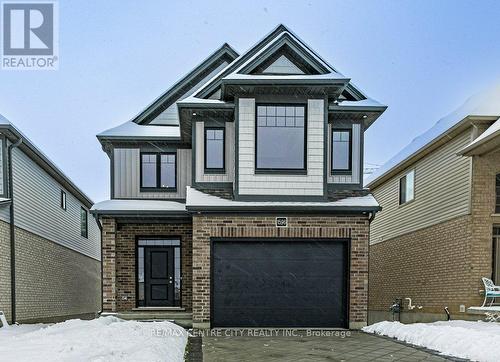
<point>281,143</point>
<point>63,200</point>
<point>84,223</point>
<point>497,200</point>
<point>341,150</point>
<point>215,150</point>
<point>407,187</point>
<point>158,171</point>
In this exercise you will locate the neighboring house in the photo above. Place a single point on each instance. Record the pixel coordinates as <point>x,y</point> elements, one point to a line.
<point>224,202</point>
<point>50,265</point>
<point>439,229</point>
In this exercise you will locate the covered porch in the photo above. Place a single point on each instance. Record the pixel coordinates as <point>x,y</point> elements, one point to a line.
<point>146,260</point>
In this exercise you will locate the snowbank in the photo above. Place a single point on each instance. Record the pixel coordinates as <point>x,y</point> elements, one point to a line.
<point>103,339</point>
<point>479,341</point>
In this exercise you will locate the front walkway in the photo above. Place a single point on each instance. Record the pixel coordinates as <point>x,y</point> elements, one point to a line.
<point>356,347</point>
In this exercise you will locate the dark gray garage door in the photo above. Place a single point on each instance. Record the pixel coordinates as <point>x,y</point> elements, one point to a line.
<point>279,283</point>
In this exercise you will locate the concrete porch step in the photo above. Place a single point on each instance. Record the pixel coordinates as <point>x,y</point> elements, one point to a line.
<point>181,318</point>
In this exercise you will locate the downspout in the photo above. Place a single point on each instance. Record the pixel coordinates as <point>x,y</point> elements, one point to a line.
<point>12,232</point>
<point>99,225</point>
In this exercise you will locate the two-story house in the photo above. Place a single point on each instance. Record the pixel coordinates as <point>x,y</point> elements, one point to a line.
<point>50,257</point>
<point>237,195</point>
<point>438,232</point>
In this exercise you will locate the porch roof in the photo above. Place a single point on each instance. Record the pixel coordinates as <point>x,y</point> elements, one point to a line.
<point>138,208</point>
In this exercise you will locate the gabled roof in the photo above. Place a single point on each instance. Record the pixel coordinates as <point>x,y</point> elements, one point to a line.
<point>265,47</point>
<point>482,106</point>
<point>488,140</point>
<point>43,160</point>
<point>184,87</point>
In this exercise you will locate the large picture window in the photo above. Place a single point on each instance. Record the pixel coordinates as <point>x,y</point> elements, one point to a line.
<point>341,150</point>
<point>407,188</point>
<point>281,138</point>
<point>158,171</point>
<point>214,150</point>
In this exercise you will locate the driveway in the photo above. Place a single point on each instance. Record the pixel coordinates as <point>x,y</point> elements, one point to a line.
<point>356,346</point>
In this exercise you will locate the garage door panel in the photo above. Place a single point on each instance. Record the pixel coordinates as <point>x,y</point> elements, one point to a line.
<point>279,283</point>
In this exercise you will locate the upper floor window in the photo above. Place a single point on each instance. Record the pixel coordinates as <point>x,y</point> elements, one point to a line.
<point>63,200</point>
<point>341,150</point>
<point>214,149</point>
<point>158,171</point>
<point>407,187</point>
<point>497,201</point>
<point>281,138</point>
<point>84,227</point>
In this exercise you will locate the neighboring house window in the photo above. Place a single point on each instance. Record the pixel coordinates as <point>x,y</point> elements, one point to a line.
<point>158,171</point>
<point>281,138</point>
<point>214,149</point>
<point>63,200</point>
<point>497,202</point>
<point>341,150</point>
<point>84,227</point>
<point>407,187</point>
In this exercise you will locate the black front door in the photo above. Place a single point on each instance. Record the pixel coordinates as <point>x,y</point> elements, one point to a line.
<point>158,276</point>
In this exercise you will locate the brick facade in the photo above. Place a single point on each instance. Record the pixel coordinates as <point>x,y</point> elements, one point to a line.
<point>354,227</point>
<point>119,260</point>
<point>440,265</point>
<point>53,282</point>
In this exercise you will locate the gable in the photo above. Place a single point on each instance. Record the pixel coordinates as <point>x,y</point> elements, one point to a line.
<point>170,116</point>
<point>282,65</point>
<point>163,111</point>
<point>265,58</point>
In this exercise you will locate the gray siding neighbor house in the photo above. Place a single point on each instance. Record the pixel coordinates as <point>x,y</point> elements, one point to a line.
<point>237,196</point>
<point>49,242</point>
<point>438,233</point>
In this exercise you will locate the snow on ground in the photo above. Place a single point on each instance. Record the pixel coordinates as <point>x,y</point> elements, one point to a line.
<point>102,339</point>
<point>478,341</point>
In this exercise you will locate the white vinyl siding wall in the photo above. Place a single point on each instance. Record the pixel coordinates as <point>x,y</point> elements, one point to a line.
<point>442,192</point>
<point>354,177</point>
<point>37,208</point>
<point>127,181</point>
<point>228,176</point>
<point>296,185</point>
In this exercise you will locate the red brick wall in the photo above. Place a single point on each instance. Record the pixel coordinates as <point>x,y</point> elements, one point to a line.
<point>354,227</point>
<point>119,274</point>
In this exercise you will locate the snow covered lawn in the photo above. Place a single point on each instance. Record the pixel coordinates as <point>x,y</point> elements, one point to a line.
<point>478,341</point>
<point>102,339</point>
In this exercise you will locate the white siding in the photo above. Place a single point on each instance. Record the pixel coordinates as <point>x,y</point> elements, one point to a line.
<point>171,114</point>
<point>37,198</point>
<point>200,155</point>
<point>297,185</point>
<point>442,192</point>
<point>127,175</point>
<point>283,65</point>
<point>354,177</point>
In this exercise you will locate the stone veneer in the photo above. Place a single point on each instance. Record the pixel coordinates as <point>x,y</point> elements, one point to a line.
<point>119,260</point>
<point>354,227</point>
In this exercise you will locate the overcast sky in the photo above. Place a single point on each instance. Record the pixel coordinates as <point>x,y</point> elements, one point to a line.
<point>421,58</point>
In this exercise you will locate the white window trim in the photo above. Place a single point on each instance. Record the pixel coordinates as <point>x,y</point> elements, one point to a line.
<point>412,171</point>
